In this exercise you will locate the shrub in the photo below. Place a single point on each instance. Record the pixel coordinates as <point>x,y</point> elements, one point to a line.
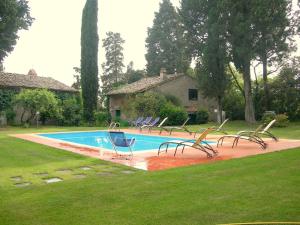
<point>173,99</point>
<point>102,118</point>
<point>176,114</point>
<point>71,112</point>
<point>281,120</point>
<point>149,104</point>
<point>202,116</point>
<point>268,116</point>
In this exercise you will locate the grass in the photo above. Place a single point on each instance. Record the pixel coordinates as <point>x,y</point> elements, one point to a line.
<point>257,188</point>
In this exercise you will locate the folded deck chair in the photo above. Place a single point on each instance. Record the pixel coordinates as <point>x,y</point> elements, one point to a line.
<point>118,139</point>
<point>215,129</point>
<point>262,132</point>
<point>150,125</point>
<point>252,137</point>
<point>199,144</point>
<point>171,128</point>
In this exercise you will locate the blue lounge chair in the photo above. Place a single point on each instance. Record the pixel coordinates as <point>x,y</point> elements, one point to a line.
<point>151,124</point>
<point>137,121</point>
<point>145,121</point>
<point>118,139</point>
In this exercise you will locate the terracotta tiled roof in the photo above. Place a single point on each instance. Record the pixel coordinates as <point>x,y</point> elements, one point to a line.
<point>32,81</point>
<point>144,84</point>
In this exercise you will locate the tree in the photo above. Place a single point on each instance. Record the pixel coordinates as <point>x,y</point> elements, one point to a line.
<point>37,100</point>
<point>274,28</point>
<point>211,50</point>
<point>133,75</point>
<point>166,44</point>
<point>89,59</point>
<point>14,16</point>
<point>113,67</point>
<point>76,76</point>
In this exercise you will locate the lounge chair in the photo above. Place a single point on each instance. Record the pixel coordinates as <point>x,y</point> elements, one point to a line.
<point>118,139</point>
<point>215,129</point>
<point>171,128</point>
<point>114,125</point>
<point>262,132</point>
<point>252,137</point>
<point>196,144</point>
<point>150,125</point>
<point>137,121</point>
<point>145,121</point>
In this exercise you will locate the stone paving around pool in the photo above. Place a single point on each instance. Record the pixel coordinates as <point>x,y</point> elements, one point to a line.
<point>151,161</point>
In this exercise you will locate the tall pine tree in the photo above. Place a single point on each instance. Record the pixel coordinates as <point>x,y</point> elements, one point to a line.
<point>89,58</point>
<point>166,45</point>
<point>113,66</point>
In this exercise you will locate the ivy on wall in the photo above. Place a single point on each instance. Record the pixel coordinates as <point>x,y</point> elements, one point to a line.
<point>6,97</point>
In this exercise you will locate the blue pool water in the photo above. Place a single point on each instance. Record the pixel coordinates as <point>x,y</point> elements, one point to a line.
<point>101,139</point>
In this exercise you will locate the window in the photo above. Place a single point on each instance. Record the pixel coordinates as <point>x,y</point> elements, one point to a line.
<point>193,94</point>
<point>118,113</point>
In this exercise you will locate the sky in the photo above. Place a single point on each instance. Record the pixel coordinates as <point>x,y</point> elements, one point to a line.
<point>51,45</point>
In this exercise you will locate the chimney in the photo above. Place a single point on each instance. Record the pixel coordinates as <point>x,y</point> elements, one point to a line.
<point>32,72</point>
<point>163,73</point>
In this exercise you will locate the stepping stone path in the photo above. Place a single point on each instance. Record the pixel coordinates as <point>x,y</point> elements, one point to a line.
<point>24,184</point>
<point>127,171</point>
<point>16,178</point>
<point>42,174</point>
<point>85,168</point>
<point>64,170</point>
<point>52,180</point>
<point>81,175</point>
<point>105,174</point>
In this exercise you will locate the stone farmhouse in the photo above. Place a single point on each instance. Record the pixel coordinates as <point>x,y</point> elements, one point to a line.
<point>182,86</point>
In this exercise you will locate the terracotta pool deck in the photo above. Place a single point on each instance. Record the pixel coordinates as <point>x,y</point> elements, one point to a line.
<point>151,161</point>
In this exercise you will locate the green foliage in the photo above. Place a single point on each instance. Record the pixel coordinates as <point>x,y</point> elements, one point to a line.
<point>102,118</point>
<point>176,114</point>
<point>37,100</point>
<point>113,66</point>
<point>71,112</point>
<point>149,104</point>
<point>285,91</point>
<point>6,97</point>
<point>133,75</point>
<point>89,59</point>
<point>202,116</point>
<point>173,99</point>
<point>166,44</point>
<point>282,120</point>
<point>15,16</point>
<point>268,116</point>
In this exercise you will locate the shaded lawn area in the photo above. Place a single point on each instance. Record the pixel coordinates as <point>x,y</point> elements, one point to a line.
<point>258,188</point>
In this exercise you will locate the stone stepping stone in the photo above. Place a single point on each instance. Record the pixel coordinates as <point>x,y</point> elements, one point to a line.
<point>16,178</point>
<point>80,175</point>
<point>66,170</point>
<point>24,184</point>
<point>85,168</point>
<point>52,180</point>
<point>41,174</point>
<point>105,174</point>
<point>127,171</point>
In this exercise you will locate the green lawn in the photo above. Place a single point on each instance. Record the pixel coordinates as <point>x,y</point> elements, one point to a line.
<point>259,188</point>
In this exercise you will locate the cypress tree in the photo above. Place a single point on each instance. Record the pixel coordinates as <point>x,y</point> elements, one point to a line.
<point>89,58</point>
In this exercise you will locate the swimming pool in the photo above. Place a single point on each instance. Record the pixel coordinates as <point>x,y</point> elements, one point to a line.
<point>101,139</point>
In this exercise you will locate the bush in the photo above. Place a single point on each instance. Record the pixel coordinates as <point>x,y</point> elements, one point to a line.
<point>202,116</point>
<point>149,104</point>
<point>102,118</point>
<point>281,120</point>
<point>173,99</point>
<point>268,116</point>
<point>176,115</point>
<point>71,112</point>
